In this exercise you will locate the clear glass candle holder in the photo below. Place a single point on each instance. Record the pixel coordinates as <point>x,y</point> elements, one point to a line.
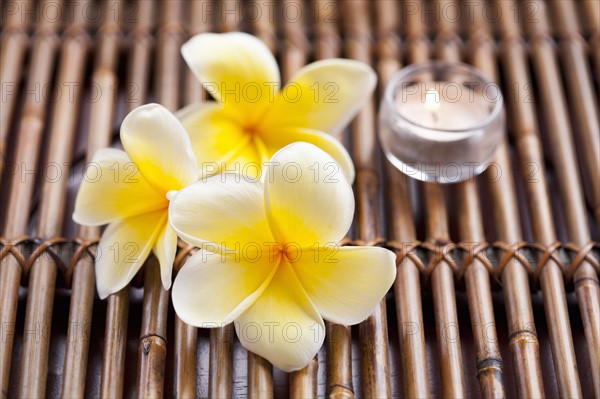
<point>441,122</point>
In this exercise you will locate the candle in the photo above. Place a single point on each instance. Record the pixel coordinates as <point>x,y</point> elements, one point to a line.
<point>432,104</point>
<point>424,106</point>
<point>441,122</point>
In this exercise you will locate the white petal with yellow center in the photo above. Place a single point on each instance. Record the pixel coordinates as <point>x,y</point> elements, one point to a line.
<point>158,144</point>
<point>282,325</point>
<point>308,199</point>
<point>112,189</point>
<point>236,69</point>
<point>165,249</point>
<point>215,134</point>
<point>227,210</point>
<point>346,283</point>
<point>324,95</point>
<point>287,135</point>
<point>123,248</point>
<point>211,289</point>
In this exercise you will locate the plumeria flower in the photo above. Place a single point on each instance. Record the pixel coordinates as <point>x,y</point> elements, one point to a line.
<point>270,260</point>
<point>128,189</point>
<point>252,117</point>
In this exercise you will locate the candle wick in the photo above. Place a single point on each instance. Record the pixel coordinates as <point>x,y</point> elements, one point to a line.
<point>434,116</point>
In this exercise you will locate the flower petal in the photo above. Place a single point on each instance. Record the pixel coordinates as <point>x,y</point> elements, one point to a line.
<point>282,325</point>
<point>215,134</point>
<point>123,248</point>
<point>235,68</point>
<point>324,95</point>
<point>219,141</point>
<point>247,160</point>
<point>112,188</point>
<point>165,249</point>
<point>288,135</point>
<point>212,289</point>
<point>308,199</point>
<point>344,283</point>
<point>227,210</point>
<point>157,142</point>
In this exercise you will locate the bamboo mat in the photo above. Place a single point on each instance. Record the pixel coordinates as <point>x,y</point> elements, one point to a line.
<point>497,291</point>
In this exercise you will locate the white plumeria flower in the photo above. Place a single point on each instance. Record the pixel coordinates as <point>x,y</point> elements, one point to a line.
<point>253,117</point>
<point>270,260</point>
<point>128,189</point>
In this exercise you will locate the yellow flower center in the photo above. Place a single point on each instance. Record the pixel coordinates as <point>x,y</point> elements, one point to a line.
<point>252,133</point>
<point>288,252</point>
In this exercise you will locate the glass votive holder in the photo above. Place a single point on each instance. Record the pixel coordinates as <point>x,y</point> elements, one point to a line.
<point>441,122</point>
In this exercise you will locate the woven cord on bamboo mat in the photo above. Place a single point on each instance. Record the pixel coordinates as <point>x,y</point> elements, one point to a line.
<point>497,291</point>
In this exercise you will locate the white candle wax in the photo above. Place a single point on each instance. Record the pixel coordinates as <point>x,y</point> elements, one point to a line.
<point>442,106</point>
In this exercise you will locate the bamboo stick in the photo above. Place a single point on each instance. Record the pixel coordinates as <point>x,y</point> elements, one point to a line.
<point>444,301</point>
<point>418,47</point>
<point>530,152</point>
<point>113,357</point>
<point>407,288</point>
<point>169,38</point>
<point>523,335</point>
<point>295,49</point>
<point>260,377</point>
<point>220,383</point>
<point>338,338</point>
<point>99,136</point>
<point>442,281</point>
<point>373,334</point>
<point>303,382</point>
<point>22,183</point>
<point>295,43</point>
<point>521,326</point>
<point>586,281</point>
<point>14,42</point>
<point>327,41</point>
<point>477,278</point>
<point>523,339</point>
<point>338,341</point>
<point>152,349</point>
<point>263,25</point>
<point>186,338</point>
<point>199,23</point>
<point>477,281</point>
<point>229,15</point>
<point>583,102</point>
<point>142,41</point>
<point>42,279</point>
<point>591,15</point>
